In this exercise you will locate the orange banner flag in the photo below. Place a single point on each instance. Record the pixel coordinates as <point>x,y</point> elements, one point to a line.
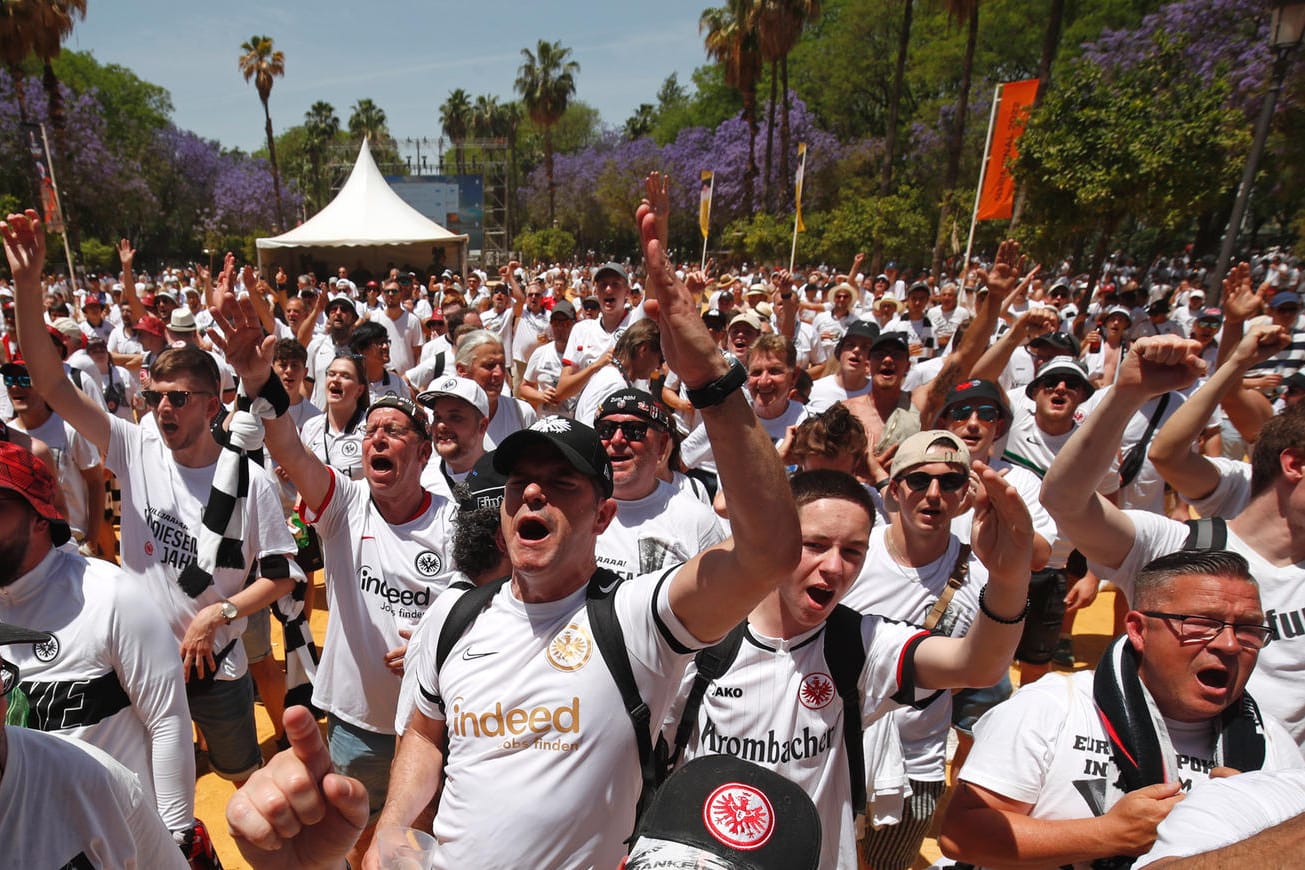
<point>997,200</point>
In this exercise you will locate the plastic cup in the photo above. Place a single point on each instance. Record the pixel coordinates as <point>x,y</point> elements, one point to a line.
<point>405,849</point>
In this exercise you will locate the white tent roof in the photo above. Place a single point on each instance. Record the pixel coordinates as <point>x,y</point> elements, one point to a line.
<point>365,213</point>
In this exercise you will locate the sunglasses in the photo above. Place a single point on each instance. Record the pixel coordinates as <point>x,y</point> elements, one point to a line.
<point>18,380</point>
<point>987,413</point>
<point>176,398</point>
<point>951,481</point>
<point>633,430</point>
<point>1052,381</point>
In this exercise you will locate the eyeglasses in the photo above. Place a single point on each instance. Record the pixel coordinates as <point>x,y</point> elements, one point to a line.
<point>18,380</point>
<point>633,430</point>
<point>176,398</point>
<point>1203,629</point>
<point>8,677</point>
<point>384,342</point>
<point>393,289</point>
<point>391,430</point>
<point>1052,381</point>
<point>987,413</point>
<point>950,481</point>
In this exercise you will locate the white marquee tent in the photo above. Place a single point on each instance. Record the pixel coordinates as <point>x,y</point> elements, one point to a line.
<point>367,226</point>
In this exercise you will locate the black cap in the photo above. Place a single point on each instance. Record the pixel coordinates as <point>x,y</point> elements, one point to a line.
<point>577,443</point>
<point>734,810</point>
<point>1063,342</point>
<point>612,267</point>
<point>562,308</point>
<point>408,407</point>
<point>1060,368</point>
<point>715,318</point>
<point>892,341</point>
<point>975,390</point>
<point>17,634</point>
<point>484,484</point>
<point>636,403</point>
<point>858,329</point>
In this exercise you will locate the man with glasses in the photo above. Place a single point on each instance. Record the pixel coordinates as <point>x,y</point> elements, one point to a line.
<point>372,343</point>
<point>1266,531</point>
<point>657,524</point>
<point>341,317</point>
<point>402,326</point>
<point>1284,311</point>
<point>384,544</point>
<point>533,322</point>
<point>1083,768</point>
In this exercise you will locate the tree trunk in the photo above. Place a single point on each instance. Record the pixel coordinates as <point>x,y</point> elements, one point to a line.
<point>895,101</point>
<point>1050,45</point>
<point>768,183</point>
<point>62,159</point>
<point>548,170</point>
<point>20,95</point>
<point>276,173</point>
<point>957,144</point>
<point>785,134</point>
<point>750,174</point>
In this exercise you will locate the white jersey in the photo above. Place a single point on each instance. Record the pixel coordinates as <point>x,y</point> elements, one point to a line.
<point>1029,487</point>
<point>696,451</point>
<point>111,676</point>
<point>322,351</point>
<point>510,415</point>
<point>162,508</point>
<point>603,383</point>
<point>405,334</point>
<point>73,454</point>
<point>390,384</point>
<point>536,726</point>
<point>886,588</point>
<point>1046,746</point>
<point>380,578</point>
<point>64,803</point>
<point>777,706</point>
<point>544,369</point>
<point>826,392</point>
<point>340,450</point>
<point>665,527</point>
<point>1233,492</point>
<point>500,323</point>
<point>589,340</point>
<point>1278,681</point>
<point>1224,811</point>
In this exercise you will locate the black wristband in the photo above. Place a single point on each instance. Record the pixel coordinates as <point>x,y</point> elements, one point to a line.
<point>983,608</point>
<point>882,485</point>
<point>718,390</point>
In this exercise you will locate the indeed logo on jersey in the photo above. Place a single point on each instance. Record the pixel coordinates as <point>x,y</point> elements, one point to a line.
<point>518,722</point>
<point>768,750</point>
<point>392,596</point>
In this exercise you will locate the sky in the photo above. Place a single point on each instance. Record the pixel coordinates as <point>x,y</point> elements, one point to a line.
<point>405,56</point>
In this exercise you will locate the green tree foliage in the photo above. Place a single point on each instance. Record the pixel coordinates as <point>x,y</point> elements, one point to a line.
<point>546,83</point>
<point>261,62</point>
<point>549,245</point>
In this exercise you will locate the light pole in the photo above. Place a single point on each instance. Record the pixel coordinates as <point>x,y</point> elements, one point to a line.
<point>1285,32</point>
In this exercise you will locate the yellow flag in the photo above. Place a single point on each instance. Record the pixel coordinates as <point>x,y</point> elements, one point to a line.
<point>704,201</point>
<point>802,167</point>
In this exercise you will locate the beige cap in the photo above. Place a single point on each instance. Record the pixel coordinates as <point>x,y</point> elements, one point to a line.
<point>924,447</point>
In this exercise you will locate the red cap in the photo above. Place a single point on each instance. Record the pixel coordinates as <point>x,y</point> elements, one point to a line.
<point>151,324</point>
<point>23,473</point>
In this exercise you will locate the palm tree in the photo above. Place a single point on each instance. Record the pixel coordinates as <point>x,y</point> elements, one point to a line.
<point>895,103</point>
<point>732,42</point>
<point>779,27</point>
<point>321,126</point>
<point>262,63</point>
<point>455,118</point>
<point>367,121</point>
<point>546,83</point>
<point>962,10</point>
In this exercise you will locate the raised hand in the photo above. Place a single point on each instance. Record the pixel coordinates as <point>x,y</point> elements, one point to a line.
<point>1240,301</point>
<point>657,193</point>
<point>24,238</point>
<point>1002,530</point>
<point>295,813</point>
<point>126,253</point>
<point>240,336</point>
<point>1003,279</point>
<point>1160,363</point>
<point>1261,342</point>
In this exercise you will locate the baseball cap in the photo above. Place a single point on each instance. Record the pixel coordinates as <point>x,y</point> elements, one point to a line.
<point>923,447</point>
<point>151,324</point>
<point>484,485</point>
<point>858,329</point>
<point>697,810</point>
<point>577,443</point>
<point>408,407</point>
<point>973,391</point>
<point>636,403</point>
<point>748,318</point>
<point>563,308</point>
<point>1061,341</point>
<point>919,287</point>
<point>23,473</point>
<point>458,388</point>
<point>181,321</point>
<point>67,327</point>
<point>341,302</point>
<point>589,303</point>
<point>1061,368</point>
<point>893,341</point>
<point>1287,298</point>
<point>1160,306</point>
<point>1212,313</point>
<point>612,267</point>
<point>1196,293</point>
<point>436,316</point>
<point>714,318</point>
<point>1117,309</point>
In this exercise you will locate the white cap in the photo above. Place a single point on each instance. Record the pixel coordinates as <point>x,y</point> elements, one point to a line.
<point>459,388</point>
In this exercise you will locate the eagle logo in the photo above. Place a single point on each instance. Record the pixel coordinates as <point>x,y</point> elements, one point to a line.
<point>427,563</point>
<point>816,691</point>
<point>570,649</point>
<point>46,650</point>
<point>552,424</point>
<point>739,816</point>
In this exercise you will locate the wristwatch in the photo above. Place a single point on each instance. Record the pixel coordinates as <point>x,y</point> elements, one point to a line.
<point>718,390</point>
<point>229,611</point>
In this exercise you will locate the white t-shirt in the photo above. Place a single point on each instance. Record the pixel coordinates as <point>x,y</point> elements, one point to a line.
<point>829,328</point>
<point>405,334</point>
<point>390,384</point>
<point>589,340</point>
<point>64,803</point>
<point>529,327</point>
<point>886,588</point>
<point>826,392</point>
<point>544,369</point>
<point>1233,492</point>
<point>1046,746</point>
<point>380,578</point>
<point>510,415</point>
<point>340,450</point>
<point>777,706</point>
<point>1221,812</point>
<point>537,729</point>
<point>662,529</point>
<point>1029,487</point>
<point>162,508</point>
<point>73,454</point>
<point>696,450</point>
<point>601,384</point>
<point>1278,681</point>
<point>500,323</point>
<point>322,350</point>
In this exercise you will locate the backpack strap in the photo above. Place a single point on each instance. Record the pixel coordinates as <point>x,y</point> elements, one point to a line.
<point>712,663</point>
<point>463,614</point>
<point>600,603</point>
<point>1207,533</point>
<point>960,573</point>
<point>845,655</point>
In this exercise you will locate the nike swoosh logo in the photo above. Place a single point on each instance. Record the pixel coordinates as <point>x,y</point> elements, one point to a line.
<point>609,587</point>
<point>468,655</point>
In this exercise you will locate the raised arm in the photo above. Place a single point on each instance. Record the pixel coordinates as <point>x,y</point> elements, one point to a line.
<point>1191,474</point>
<point>127,256</point>
<point>304,335</point>
<point>719,587</point>
<point>24,240</point>
<point>1101,531</point>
